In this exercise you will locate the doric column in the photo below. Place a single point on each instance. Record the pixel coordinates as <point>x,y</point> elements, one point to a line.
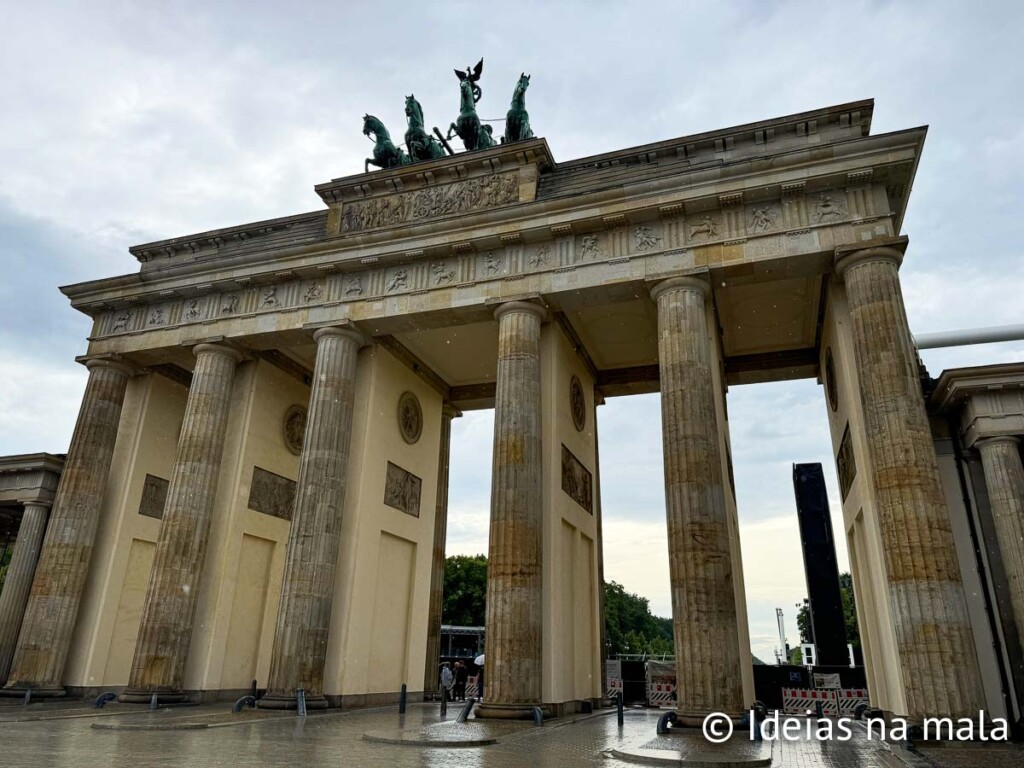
<point>1004,478</point>
<point>307,592</point>
<point>430,674</point>
<point>708,674</point>
<point>22,568</point>
<point>933,631</point>
<point>168,613</point>
<point>512,674</point>
<point>67,546</point>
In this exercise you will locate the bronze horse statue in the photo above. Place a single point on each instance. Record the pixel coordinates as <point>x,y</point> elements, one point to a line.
<point>385,153</point>
<point>517,122</point>
<point>474,134</point>
<point>421,145</point>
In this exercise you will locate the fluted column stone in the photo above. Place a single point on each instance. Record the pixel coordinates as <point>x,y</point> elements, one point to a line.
<point>704,617</point>
<point>168,613</point>
<point>307,591</point>
<point>60,574</point>
<point>512,679</point>
<point>932,627</point>
<point>433,660</point>
<point>1004,478</point>
<point>18,582</point>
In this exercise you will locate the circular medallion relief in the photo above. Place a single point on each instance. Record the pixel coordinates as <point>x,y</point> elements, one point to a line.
<point>294,428</point>
<point>577,403</point>
<point>830,380</point>
<point>410,417</point>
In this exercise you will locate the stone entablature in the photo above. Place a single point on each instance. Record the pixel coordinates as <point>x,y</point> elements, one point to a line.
<point>991,398</point>
<point>696,216</point>
<point>30,477</point>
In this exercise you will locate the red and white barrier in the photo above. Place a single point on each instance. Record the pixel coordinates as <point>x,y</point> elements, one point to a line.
<point>798,701</point>
<point>849,698</point>
<point>661,684</point>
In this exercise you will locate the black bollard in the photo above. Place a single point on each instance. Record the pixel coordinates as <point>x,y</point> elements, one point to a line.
<point>538,716</point>
<point>666,722</point>
<point>444,701</point>
<point>103,699</point>
<point>252,691</point>
<point>28,697</point>
<point>401,700</point>
<point>154,702</point>
<point>618,706</point>
<point>466,709</point>
<point>300,702</point>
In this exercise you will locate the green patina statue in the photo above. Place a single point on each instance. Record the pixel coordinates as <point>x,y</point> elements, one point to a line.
<point>421,145</point>
<point>385,153</point>
<point>517,122</point>
<point>474,134</point>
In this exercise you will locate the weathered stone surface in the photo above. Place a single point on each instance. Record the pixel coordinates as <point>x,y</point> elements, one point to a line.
<point>514,579</point>
<point>703,598</point>
<point>430,674</point>
<point>402,490</point>
<point>67,547</point>
<point>933,631</point>
<point>18,582</point>
<point>303,619</point>
<point>165,633</point>
<point>271,494</point>
<point>1004,478</point>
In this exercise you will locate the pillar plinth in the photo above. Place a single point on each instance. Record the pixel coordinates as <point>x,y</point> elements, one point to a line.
<point>433,660</point>
<point>933,631</point>
<point>307,591</point>
<point>704,617</point>
<point>18,583</point>
<point>168,614</point>
<point>1004,478</point>
<point>63,565</point>
<point>512,674</point>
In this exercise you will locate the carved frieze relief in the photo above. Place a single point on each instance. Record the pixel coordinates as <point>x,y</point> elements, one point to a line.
<point>431,202</point>
<point>402,490</point>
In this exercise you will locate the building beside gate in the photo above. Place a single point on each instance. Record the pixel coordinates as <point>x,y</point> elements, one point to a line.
<point>257,483</point>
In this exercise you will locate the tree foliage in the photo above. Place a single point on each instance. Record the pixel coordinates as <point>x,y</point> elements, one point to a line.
<point>803,616</point>
<point>465,590</point>
<point>630,625</point>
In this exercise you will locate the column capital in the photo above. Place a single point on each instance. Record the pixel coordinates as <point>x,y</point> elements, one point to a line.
<point>218,349</point>
<point>884,249</point>
<point>346,331</point>
<point>45,503</point>
<point>111,363</point>
<point>696,283</point>
<point>527,307</point>
<point>449,411</point>
<point>997,440</point>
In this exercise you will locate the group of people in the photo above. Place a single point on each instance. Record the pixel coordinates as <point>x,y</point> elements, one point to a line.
<point>454,679</point>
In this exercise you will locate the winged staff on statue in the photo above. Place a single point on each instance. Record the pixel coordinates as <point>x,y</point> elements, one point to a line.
<point>474,131</point>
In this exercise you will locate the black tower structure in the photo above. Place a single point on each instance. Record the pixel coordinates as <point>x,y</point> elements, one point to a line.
<point>828,627</point>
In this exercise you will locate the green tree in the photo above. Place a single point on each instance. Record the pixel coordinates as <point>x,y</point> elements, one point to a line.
<point>630,626</point>
<point>5,562</point>
<point>465,590</point>
<point>803,616</point>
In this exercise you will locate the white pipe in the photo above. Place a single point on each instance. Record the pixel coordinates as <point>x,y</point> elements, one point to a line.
<point>970,336</point>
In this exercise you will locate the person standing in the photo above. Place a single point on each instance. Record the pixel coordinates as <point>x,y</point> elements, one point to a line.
<point>447,679</point>
<point>461,676</point>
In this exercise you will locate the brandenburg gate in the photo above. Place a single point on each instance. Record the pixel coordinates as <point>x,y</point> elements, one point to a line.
<point>257,483</point>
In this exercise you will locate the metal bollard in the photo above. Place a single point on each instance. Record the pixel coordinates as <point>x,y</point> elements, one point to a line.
<point>28,697</point>
<point>444,701</point>
<point>245,701</point>
<point>666,722</point>
<point>154,702</point>
<point>618,706</point>
<point>538,716</point>
<point>252,691</point>
<point>103,699</point>
<point>401,699</point>
<point>466,709</point>
<point>300,702</point>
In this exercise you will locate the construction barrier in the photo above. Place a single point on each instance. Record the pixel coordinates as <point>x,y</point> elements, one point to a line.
<point>471,689</point>
<point>849,698</point>
<point>798,701</point>
<point>661,684</point>
<point>613,678</point>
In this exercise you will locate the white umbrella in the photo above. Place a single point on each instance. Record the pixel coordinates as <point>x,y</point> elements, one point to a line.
<point>479,660</point>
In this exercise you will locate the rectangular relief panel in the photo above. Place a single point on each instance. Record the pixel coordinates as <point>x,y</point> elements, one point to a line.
<point>846,464</point>
<point>154,497</point>
<point>271,494</point>
<point>402,490</point>
<point>577,481</point>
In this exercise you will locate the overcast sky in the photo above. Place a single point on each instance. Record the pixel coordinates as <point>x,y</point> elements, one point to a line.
<point>124,123</point>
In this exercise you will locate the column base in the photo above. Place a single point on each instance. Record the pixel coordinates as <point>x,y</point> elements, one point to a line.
<point>696,719</point>
<point>140,696</point>
<point>290,701</point>
<point>493,711</point>
<point>43,691</point>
